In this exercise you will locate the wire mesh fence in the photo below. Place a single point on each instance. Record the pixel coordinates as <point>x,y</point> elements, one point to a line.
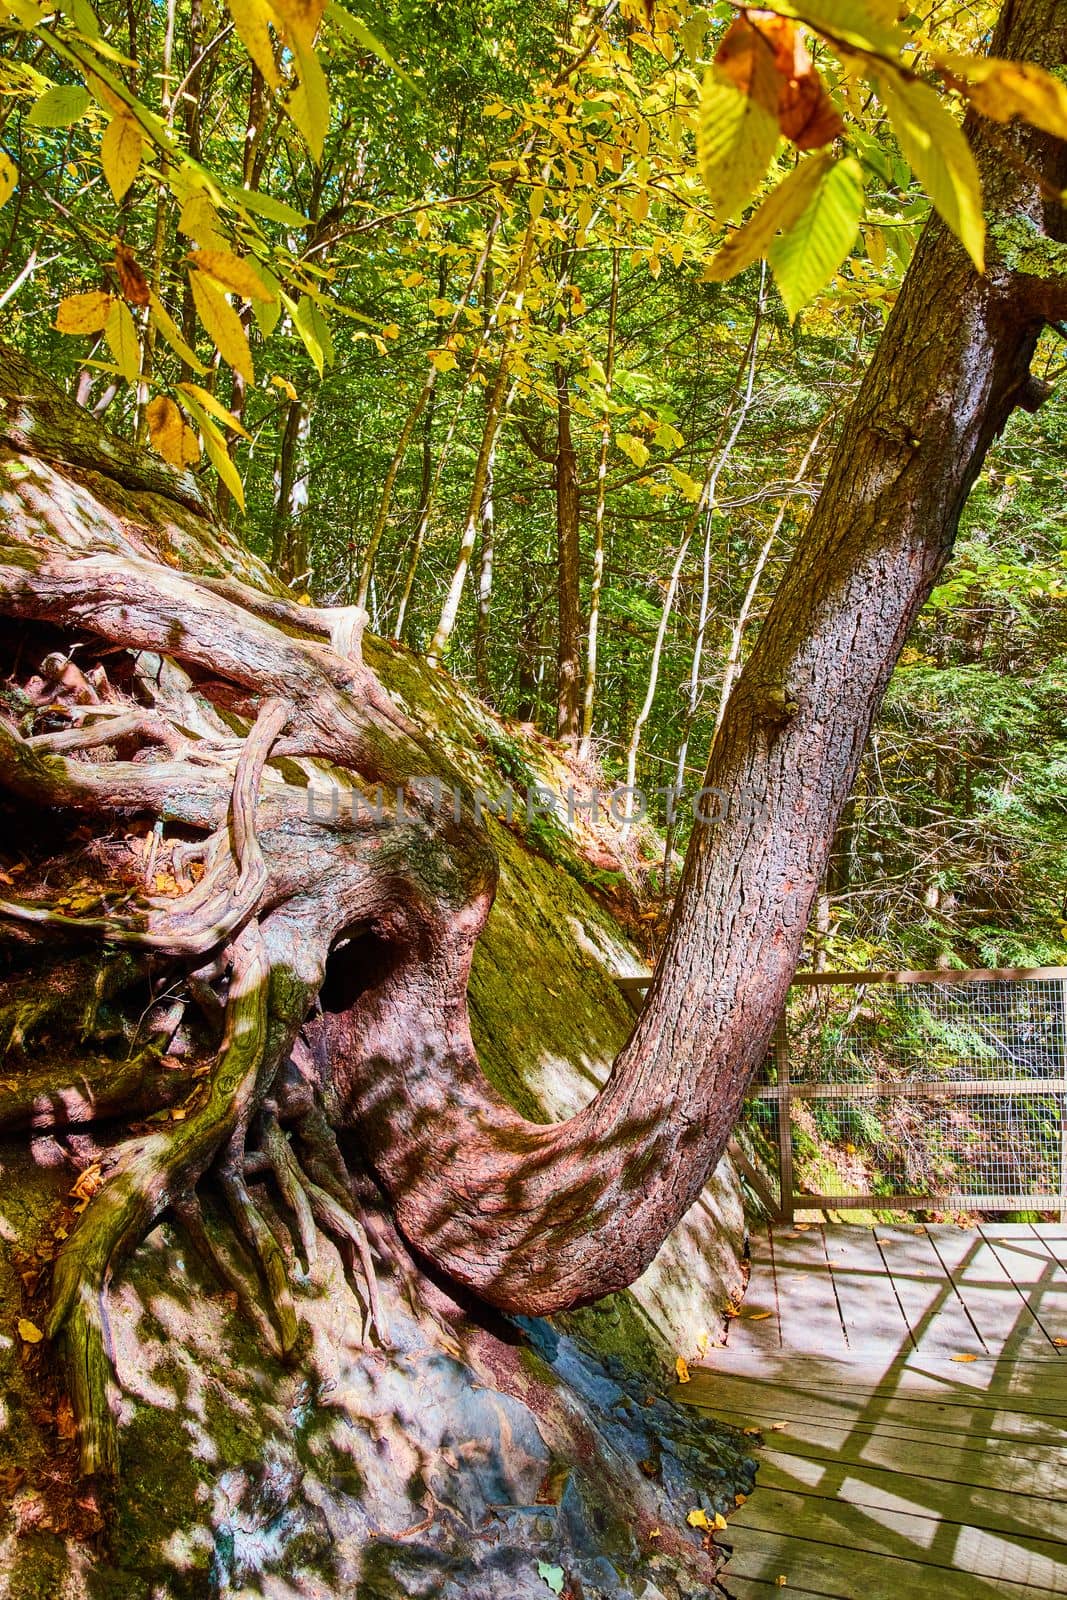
<point>916,1091</point>
<point>912,1091</point>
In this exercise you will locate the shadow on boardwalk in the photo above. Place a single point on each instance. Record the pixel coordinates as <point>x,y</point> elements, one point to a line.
<point>891,1468</point>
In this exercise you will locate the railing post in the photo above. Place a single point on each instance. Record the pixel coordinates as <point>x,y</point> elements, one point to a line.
<point>785,1121</point>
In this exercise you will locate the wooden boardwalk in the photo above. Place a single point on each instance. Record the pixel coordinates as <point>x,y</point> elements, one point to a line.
<point>890,1469</point>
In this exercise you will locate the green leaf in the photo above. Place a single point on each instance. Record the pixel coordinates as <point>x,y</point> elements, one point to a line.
<point>737,134</point>
<point>934,146</point>
<point>553,1576</point>
<point>59,107</point>
<point>265,205</point>
<point>312,327</point>
<point>362,35</point>
<point>805,259</point>
<point>776,214</point>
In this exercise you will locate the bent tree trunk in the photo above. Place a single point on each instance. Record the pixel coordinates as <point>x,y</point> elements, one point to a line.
<point>306,962</point>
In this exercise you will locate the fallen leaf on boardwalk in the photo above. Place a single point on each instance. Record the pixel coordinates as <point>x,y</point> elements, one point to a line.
<point>29,1332</point>
<point>779,1427</point>
<point>739,1499</point>
<point>758,1316</point>
<point>753,1433</point>
<point>919,1229</point>
<point>1061,1342</point>
<point>681,1367</point>
<point>802,1227</point>
<point>781,1581</point>
<point>964,1358</point>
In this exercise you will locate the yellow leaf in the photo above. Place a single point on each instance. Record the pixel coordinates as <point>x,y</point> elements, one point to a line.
<point>284,385</point>
<point>638,205</point>
<point>782,207</point>
<point>121,150</point>
<point>222,324</point>
<point>234,274</point>
<point>443,360</point>
<point>933,144</point>
<point>200,221</point>
<point>698,1519</point>
<point>9,177</point>
<point>737,134</point>
<point>29,1331</point>
<point>205,398</point>
<point>964,1358</point>
<point>170,331</point>
<point>1062,1343</point>
<point>536,203</point>
<point>300,19</point>
<point>309,100</point>
<point>681,1367</point>
<point>218,455</point>
<point>781,1581</point>
<point>121,334</point>
<point>170,434</point>
<point>1002,90</point>
<point>758,1316</point>
<point>83,313</point>
<point>252,20</point>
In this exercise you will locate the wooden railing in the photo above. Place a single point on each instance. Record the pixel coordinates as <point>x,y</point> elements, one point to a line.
<point>987,1104</point>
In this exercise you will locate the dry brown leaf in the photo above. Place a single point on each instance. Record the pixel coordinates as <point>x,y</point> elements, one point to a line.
<point>804,110</point>
<point>132,281</point>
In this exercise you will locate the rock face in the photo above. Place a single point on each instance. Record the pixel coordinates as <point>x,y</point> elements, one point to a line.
<point>473,1449</point>
<point>464,1455</point>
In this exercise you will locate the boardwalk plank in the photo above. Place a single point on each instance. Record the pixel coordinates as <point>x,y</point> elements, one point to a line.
<point>1019,1468</point>
<point>936,1315</point>
<point>879,1488</point>
<point>889,1471</point>
<point>1039,1387</point>
<point>807,1303</point>
<point>845,1408</point>
<point>870,1309</point>
<point>851,1574</point>
<point>897,1531</point>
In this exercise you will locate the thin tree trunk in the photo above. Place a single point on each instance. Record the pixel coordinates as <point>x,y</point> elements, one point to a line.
<point>704,508</point>
<point>289,547</point>
<point>737,632</point>
<point>569,648</point>
<point>597,581</point>
<point>692,698</point>
<point>493,413</point>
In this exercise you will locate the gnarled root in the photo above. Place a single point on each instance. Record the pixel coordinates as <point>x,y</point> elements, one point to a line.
<point>146,1174</point>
